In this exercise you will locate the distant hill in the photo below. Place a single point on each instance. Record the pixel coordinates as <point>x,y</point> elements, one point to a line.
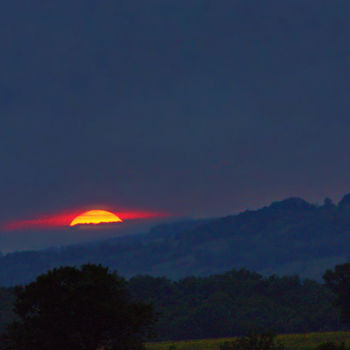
<point>288,237</point>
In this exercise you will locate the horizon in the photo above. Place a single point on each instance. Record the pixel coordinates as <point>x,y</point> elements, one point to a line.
<point>142,228</point>
<point>191,108</point>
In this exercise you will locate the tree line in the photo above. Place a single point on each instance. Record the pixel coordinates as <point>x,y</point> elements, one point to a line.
<point>92,307</point>
<point>232,303</point>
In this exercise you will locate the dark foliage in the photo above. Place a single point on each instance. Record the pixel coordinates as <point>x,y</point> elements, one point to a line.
<point>7,299</point>
<point>330,346</point>
<point>254,341</point>
<point>228,304</point>
<point>231,304</point>
<point>338,280</point>
<point>70,308</point>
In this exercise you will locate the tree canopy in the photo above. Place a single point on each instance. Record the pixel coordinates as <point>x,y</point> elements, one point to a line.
<point>338,280</point>
<point>254,341</point>
<point>233,303</point>
<point>71,308</point>
<point>227,304</point>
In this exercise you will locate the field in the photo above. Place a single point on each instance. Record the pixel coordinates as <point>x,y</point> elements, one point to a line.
<point>304,341</point>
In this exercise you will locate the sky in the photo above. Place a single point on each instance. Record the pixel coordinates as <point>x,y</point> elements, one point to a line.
<point>197,108</point>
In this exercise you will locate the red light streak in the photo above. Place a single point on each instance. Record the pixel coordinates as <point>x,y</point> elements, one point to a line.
<point>64,219</point>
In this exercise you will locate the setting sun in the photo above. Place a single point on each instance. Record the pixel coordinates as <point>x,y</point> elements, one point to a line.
<point>95,217</point>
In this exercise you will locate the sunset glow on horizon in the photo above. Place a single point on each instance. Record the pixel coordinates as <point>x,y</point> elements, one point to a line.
<point>80,217</point>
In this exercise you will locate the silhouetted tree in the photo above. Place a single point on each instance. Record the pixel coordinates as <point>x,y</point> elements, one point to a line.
<point>253,341</point>
<point>70,308</point>
<point>328,203</point>
<point>338,280</point>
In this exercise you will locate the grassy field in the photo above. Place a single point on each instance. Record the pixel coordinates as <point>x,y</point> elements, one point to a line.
<point>291,341</point>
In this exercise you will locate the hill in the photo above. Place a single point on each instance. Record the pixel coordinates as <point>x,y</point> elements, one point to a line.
<point>288,237</point>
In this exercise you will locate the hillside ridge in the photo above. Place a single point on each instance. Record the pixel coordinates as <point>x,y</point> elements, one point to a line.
<point>290,236</point>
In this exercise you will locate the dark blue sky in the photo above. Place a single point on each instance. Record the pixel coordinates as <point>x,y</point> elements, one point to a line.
<point>200,108</point>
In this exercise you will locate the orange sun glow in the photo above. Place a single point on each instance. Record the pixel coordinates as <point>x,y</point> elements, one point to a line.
<point>95,217</point>
<point>79,217</point>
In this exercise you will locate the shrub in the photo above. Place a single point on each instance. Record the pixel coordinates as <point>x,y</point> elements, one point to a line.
<point>330,346</point>
<point>253,341</point>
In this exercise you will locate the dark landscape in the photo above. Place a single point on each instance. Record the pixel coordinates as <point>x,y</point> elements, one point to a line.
<point>289,237</point>
<point>174,175</point>
<point>228,304</point>
<point>201,275</point>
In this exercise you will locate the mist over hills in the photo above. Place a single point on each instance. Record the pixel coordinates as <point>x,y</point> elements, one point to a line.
<point>288,237</point>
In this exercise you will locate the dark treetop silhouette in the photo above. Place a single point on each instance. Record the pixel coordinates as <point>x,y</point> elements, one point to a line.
<point>70,308</point>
